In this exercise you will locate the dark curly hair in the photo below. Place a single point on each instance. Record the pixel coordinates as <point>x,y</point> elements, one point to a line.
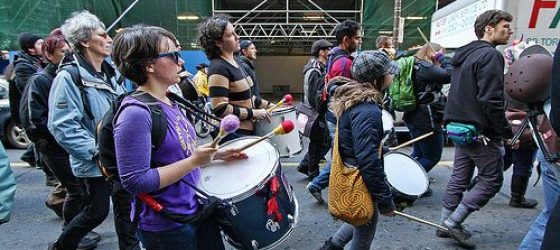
<point>209,31</point>
<point>137,47</point>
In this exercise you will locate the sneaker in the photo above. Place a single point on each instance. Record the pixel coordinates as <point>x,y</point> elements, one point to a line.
<point>93,236</point>
<point>428,193</point>
<point>302,169</point>
<point>330,246</point>
<point>29,159</point>
<point>86,244</point>
<point>444,234</point>
<point>316,193</point>
<point>461,236</point>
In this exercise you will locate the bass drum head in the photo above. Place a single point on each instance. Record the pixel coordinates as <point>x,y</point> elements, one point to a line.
<point>405,174</point>
<point>230,179</point>
<point>387,119</point>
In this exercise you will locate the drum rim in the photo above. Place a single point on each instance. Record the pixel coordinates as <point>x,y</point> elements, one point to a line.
<point>250,191</point>
<point>274,245</point>
<point>421,168</point>
<point>283,110</point>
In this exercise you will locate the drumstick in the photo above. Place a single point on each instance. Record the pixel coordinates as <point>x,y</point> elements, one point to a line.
<point>229,124</point>
<point>425,39</point>
<point>414,218</point>
<point>285,127</point>
<point>287,99</point>
<point>412,141</point>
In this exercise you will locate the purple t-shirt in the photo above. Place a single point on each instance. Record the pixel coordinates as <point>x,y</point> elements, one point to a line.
<point>132,132</point>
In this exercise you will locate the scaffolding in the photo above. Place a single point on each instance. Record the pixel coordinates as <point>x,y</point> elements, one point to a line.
<point>286,25</point>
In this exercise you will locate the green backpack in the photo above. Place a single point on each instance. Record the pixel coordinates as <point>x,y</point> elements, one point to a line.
<point>401,90</point>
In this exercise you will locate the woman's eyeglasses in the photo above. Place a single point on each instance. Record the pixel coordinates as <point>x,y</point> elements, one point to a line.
<point>175,55</point>
<point>104,35</point>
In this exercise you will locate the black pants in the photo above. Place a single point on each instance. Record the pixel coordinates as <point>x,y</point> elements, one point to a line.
<point>318,147</point>
<point>125,228</point>
<point>96,208</point>
<point>59,164</point>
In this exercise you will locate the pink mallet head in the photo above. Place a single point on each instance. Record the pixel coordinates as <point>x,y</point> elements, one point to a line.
<point>288,98</point>
<point>287,126</point>
<point>230,123</point>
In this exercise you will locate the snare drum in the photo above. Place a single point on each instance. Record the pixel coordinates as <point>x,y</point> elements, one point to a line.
<point>405,174</point>
<point>250,184</point>
<point>289,144</point>
<point>387,119</point>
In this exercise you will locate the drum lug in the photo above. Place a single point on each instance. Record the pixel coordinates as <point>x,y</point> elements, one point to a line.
<point>234,211</point>
<point>291,218</point>
<point>255,244</point>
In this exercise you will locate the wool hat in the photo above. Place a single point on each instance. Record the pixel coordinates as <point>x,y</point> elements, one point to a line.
<point>370,65</point>
<point>319,45</point>
<point>27,40</point>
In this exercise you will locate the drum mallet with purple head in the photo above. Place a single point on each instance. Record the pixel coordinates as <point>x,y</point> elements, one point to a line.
<point>284,128</point>
<point>229,124</point>
<point>287,99</point>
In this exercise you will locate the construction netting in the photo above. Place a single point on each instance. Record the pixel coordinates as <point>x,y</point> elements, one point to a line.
<point>41,16</point>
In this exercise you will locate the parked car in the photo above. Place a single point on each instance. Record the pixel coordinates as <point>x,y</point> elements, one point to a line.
<point>9,133</point>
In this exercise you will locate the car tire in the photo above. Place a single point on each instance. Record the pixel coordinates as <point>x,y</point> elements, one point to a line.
<point>16,136</point>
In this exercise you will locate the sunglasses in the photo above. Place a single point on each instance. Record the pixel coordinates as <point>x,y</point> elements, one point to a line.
<point>175,55</point>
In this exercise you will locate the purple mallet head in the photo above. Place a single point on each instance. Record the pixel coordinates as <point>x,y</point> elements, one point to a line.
<point>230,123</point>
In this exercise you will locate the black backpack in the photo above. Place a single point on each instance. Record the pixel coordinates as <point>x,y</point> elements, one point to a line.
<point>106,158</point>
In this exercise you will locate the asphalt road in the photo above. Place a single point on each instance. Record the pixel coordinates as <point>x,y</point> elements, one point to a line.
<point>496,226</point>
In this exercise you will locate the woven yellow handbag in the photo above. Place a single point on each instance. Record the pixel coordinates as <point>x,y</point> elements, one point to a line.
<point>349,199</point>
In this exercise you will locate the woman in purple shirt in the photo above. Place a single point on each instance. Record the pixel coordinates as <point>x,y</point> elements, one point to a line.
<point>149,57</point>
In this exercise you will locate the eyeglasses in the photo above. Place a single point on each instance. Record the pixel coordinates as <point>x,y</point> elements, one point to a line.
<point>104,35</point>
<point>175,55</point>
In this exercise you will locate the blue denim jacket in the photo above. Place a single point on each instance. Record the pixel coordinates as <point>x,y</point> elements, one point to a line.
<point>72,128</point>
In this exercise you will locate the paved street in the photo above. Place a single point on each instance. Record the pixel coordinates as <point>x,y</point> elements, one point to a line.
<point>497,226</point>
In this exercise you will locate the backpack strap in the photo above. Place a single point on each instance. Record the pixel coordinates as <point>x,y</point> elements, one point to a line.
<point>159,119</point>
<point>74,72</point>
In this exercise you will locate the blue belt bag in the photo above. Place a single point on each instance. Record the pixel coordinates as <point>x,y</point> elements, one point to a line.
<point>462,134</point>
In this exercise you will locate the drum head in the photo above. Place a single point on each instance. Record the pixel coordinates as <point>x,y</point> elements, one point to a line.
<point>230,179</point>
<point>405,174</point>
<point>387,120</point>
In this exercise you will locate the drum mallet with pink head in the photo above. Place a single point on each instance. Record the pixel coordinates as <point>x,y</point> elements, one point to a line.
<point>229,124</point>
<point>414,218</point>
<point>284,128</point>
<point>287,99</point>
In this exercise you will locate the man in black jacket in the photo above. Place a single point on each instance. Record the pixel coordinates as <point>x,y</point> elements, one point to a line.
<point>476,98</point>
<point>248,54</point>
<point>313,84</point>
<point>26,63</point>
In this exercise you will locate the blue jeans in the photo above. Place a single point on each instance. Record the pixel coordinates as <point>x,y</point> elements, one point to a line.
<point>427,151</point>
<point>361,236</point>
<point>183,237</point>
<point>322,181</point>
<point>551,190</point>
